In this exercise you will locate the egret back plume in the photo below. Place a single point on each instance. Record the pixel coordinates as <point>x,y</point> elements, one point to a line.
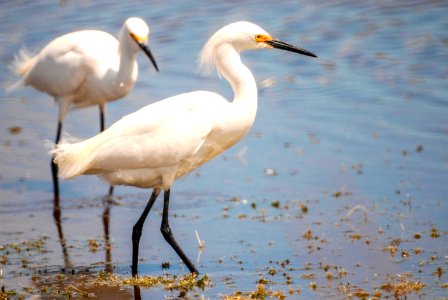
<point>207,56</point>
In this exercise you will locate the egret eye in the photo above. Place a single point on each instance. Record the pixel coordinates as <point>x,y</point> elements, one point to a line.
<point>260,38</point>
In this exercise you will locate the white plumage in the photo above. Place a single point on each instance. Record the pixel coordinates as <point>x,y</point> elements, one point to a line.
<point>85,68</point>
<point>168,139</point>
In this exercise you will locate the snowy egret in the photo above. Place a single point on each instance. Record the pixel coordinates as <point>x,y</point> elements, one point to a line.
<point>85,68</point>
<point>166,140</point>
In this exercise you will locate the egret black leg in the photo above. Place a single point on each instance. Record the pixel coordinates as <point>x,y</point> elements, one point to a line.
<point>101,118</point>
<point>111,190</point>
<point>168,235</point>
<point>54,167</point>
<point>137,230</point>
<point>102,126</point>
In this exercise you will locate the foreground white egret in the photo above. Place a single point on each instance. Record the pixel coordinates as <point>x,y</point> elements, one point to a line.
<point>166,140</point>
<point>85,68</point>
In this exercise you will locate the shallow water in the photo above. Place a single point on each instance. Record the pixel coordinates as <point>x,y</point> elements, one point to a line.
<point>359,137</point>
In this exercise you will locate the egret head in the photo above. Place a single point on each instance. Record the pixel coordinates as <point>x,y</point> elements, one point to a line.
<point>138,31</point>
<point>242,36</point>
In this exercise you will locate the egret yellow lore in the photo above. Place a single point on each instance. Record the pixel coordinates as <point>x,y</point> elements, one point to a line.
<point>166,140</point>
<point>85,68</point>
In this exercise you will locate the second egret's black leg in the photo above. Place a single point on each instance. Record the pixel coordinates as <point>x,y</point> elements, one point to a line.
<point>102,126</point>
<point>54,167</point>
<point>168,235</point>
<point>137,230</point>
<point>101,118</point>
<point>111,190</point>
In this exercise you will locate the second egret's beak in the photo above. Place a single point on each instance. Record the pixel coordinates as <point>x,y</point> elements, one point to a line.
<point>148,53</point>
<point>284,46</point>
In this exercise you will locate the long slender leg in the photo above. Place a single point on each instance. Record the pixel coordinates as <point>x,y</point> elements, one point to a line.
<point>137,230</point>
<point>101,106</point>
<point>102,126</point>
<point>168,235</point>
<point>56,206</point>
<point>54,167</point>
<point>111,190</point>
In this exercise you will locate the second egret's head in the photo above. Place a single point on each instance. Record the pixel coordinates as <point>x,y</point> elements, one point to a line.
<point>138,31</point>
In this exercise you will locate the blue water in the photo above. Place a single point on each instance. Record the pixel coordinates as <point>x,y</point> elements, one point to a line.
<point>369,117</point>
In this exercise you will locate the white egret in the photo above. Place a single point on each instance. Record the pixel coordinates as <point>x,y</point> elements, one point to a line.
<point>166,140</point>
<point>85,68</point>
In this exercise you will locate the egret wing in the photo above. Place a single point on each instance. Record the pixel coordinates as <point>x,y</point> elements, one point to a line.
<point>63,65</point>
<point>159,135</point>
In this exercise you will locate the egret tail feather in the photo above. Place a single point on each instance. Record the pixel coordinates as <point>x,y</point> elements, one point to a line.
<point>70,158</point>
<point>21,65</point>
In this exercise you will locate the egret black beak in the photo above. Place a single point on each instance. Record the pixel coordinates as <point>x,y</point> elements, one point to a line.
<point>149,54</point>
<point>284,46</point>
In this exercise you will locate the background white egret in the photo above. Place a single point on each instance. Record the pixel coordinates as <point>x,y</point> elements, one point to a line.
<point>85,68</point>
<point>166,140</point>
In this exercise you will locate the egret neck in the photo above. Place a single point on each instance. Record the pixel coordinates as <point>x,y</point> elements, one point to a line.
<point>228,63</point>
<point>128,69</point>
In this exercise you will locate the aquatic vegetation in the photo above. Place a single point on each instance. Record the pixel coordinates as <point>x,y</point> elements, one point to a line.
<point>93,245</point>
<point>67,286</point>
<point>261,292</point>
<point>402,285</point>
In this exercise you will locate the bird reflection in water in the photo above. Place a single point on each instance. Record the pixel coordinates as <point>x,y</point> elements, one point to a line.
<point>107,201</point>
<point>57,221</point>
<point>57,216</point>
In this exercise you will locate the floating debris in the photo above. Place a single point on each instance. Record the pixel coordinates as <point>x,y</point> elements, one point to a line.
<point>355,208</point>
<point>93,245</point>
<point>355,236</point>
<point>270,172</point>
<point>307,235</point>
<point>267,83</point>
<point>338,194</point>
<point>201,243</point>
<point>165,265</point>
<point>14,130</point>
<point>275,204</point>
<point>304,208</point>
<point>434,233</point>
<point>392,249</point>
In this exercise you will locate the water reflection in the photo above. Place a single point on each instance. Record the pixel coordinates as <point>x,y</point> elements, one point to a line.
<point>57,216</point>
<point>106,226</point>
<point>137,295</point>
<point>380,91</point>
<point>57,221</point>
